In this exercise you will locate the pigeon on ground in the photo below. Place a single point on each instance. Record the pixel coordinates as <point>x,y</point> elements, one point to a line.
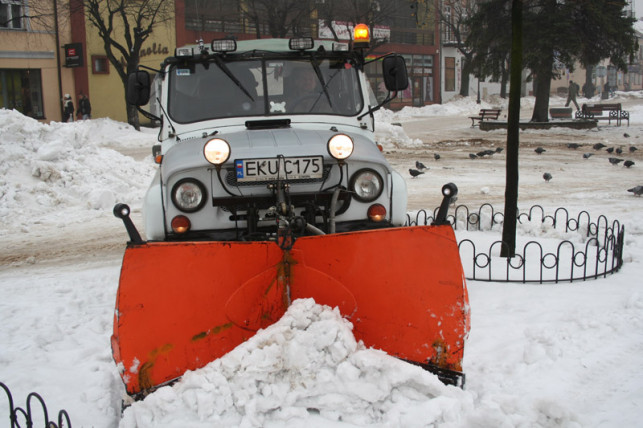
<point>638,190</point>
<point>547,176</point>
<point>539,150</point>
<point>587,155</point>
<point>436,156</point>
<point>633,149</point>
<point>573,145</point>
<point>598,146</point>
<point>485,153</point>
<point>615,161</point>
<point>414,172</point>
<point>419,165</point>
<point>628,163</point>
<point>610,150</point>
<point>472,156</point>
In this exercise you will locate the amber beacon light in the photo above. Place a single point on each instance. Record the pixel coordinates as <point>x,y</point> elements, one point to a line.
<point>361,35</point>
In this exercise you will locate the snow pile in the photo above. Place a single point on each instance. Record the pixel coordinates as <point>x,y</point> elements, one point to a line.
<point>305,368</point>
<point>565,355</point>
<point>62,167</point>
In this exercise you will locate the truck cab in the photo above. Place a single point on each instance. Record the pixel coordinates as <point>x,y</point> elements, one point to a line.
<point>270,137</point>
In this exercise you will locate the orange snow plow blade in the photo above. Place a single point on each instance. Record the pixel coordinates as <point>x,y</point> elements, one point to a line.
<point>182,305</point>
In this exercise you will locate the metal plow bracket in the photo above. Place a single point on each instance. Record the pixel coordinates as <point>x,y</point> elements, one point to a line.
<point>182,305</point>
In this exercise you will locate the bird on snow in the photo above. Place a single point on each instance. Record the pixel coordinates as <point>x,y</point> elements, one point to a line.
<point>587,155</point>
<point>598,146</point>
<point>539,150</point>
<point>419,165</point>
<point>472,155</point>
<point>615,161</point>
<point>499,149</point>
<point>547,176</point>
<point>619,150</point>
<point>628,163</point>
<point>626,135</point>
<point>482,154</point>
<point>638,190</point>
<point>633,149</point>
<point>414,172</point>
<point>610,150</point>
<point>436,156</point>
<point>573,145</point>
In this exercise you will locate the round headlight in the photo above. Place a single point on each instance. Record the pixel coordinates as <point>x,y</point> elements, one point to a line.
<point>216,151</point>
<point>340,146</point>
<point>188,195</point>
<point>366,185</point>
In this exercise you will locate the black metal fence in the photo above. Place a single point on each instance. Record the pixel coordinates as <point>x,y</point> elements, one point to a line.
<point>19,415</point>
<point>591,249</point>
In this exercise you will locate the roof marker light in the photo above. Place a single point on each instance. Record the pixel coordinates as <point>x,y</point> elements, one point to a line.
<point>224,45</point>
<point>183,52</point>
<point>301,43</point>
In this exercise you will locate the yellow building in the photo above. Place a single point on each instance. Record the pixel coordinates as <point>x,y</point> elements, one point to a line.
<point>103,83</point>
<point>31,81</point>
<point>47,52</point>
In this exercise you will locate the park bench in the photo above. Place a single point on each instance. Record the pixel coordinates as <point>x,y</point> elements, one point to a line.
<point>595,112</point>
<point>560,113</point>
<point>485,114</point>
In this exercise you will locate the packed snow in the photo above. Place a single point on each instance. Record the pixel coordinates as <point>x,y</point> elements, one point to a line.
<point>565,355</point>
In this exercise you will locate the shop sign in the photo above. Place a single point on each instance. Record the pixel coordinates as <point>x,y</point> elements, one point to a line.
<point>74,55</point>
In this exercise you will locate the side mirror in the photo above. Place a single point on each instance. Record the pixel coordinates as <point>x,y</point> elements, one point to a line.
<point>394,73</point>
<point>138,88</point>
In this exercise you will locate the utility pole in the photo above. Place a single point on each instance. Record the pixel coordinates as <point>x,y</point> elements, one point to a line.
<point>57,47</point>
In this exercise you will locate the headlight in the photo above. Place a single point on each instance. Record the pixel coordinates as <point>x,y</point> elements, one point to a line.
<point>340,146</point>
<point>216,151</point>
<point>366,185</point>
<point>188,195</point>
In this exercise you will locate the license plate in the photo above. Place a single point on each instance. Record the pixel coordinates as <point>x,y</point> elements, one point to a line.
<point>291,168</point>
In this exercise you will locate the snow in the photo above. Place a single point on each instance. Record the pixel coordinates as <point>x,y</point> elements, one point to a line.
<point>565,355</point>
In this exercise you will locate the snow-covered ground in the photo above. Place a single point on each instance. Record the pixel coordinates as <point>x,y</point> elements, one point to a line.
<point>566,355</point>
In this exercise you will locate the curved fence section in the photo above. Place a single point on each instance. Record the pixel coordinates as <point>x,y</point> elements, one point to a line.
<point>30,418</point>
<point>550,248</point>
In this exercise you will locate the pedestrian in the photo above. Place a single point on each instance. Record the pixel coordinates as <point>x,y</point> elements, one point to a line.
<point>68,109</point>
<point>572,92</point>
<point>84,107</point>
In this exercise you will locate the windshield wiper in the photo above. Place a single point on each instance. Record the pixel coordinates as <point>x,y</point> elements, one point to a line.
<point>231,75</point>
<point>320,76</point>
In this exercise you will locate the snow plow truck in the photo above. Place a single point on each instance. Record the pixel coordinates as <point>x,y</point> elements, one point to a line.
<point>270,187</point>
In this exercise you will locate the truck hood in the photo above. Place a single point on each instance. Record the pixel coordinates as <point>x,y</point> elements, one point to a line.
<point>265,143</point>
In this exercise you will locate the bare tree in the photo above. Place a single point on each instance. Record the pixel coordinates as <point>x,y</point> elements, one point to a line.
<point>278,18</point>
<point>124,26</point>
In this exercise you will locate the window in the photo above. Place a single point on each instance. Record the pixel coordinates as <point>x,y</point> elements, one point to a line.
<point>22,90</point>
<point>449,74</point>
<point>100,64</point>
<point>11,14</point>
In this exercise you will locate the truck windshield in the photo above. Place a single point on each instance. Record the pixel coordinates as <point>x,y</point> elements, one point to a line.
<point>202,91</point>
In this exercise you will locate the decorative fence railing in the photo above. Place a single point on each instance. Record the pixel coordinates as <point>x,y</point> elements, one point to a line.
<point>594,249</point>
<point>26,415</point>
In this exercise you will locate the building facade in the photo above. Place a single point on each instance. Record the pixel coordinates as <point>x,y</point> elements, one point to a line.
<point>33,76</point>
